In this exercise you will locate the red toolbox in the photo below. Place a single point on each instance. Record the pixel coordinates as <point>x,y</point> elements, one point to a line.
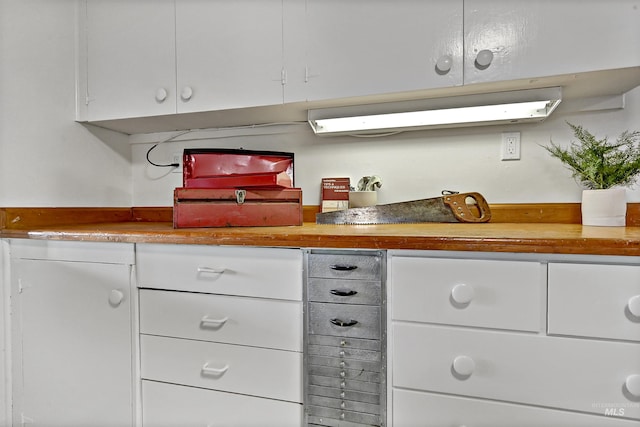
<point>236,188</point>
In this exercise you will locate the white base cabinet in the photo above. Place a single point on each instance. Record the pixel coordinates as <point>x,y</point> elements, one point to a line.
<point>504,340</point>
<point>73,335</point>
<point>221,335</point>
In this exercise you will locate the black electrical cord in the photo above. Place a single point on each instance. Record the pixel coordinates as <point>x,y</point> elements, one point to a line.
<point>168,165</point>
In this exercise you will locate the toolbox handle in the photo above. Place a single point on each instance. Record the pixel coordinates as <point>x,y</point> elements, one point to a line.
<point>342,267</point>
<point>344,324</point>
<point>341,293</point>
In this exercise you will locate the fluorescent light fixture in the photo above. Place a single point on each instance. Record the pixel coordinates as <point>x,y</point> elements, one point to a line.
<point>459,111</point>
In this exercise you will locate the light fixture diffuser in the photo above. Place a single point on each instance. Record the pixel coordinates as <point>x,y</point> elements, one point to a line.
<point>459,111</point>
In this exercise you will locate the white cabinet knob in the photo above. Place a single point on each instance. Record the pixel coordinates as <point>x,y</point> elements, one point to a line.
<point>116,297</point>
<point>462,294</point>
<point>634,305</point>
<point>484,58</point>
<point>444,63</point>
<point>187,93</point>
<point>464,365</point>
<point>161,95</point>
<point>632,384</point>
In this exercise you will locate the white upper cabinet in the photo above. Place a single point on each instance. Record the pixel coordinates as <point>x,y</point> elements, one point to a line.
<point>366,47</point>
<point>157,57</point>
<point>130,59</point>
<point>229,54</point>
<point>523,39</point>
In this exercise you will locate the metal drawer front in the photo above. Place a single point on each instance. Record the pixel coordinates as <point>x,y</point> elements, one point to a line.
<point>344,320</point>
<point>319,415</point>
<point>343,383</point>
<point>344,342</point>
<point>344,405</point>
<point>346,353</point>
<point>344,291</point>
<point>344,266</point>
<point>334,362</point>
<point>337,393</point>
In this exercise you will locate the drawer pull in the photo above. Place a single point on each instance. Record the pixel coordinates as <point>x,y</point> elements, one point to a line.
<point>215,323</point>
<point>342,293</point>
<point>208,370</point>
<point>341,267</point>
<point>211,270</point>
<point>634,306</point>
<point>463,366</point>
<point>344,324</point>
<point>462,294</point>
<point>632,385</point>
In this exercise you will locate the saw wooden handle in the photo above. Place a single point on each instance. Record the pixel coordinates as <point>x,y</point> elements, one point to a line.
<point>464,212</point>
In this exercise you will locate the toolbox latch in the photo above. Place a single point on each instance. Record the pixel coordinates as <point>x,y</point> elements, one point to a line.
<point>240,195</point>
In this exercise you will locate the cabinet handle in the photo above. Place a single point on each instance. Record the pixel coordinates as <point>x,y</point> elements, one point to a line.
<point>633,305</point>
<point>115,297</point>
<point>161,95</point>
<point>462,294</point>
<point>207,370</point>
<point>463,366</point>
<point>344,324</point>
<point>340,293</point>
<point>484,59</point>
<point>186,94</point>
<point>444,63</point>
<point>207,321</point>
<point>211,270</point>
<point>632,385</point>
<point>341,267</point>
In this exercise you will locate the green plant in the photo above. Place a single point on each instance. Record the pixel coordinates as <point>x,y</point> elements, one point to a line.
<point>599,163</point>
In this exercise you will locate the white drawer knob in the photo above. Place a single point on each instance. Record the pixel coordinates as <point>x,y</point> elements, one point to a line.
<point>444,64</point>
<point>633,385</point>
<point>161,94</point>
<point>115,297</point>
<point>464,366</point>
<point>187,93</point>
<point>462,294</point>
<point>484,58</point>
<point>634,305</point>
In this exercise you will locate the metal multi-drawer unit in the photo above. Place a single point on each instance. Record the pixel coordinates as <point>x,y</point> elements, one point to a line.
<point>344,339</point>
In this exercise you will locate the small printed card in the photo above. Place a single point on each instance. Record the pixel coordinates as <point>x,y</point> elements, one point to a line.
<point>335,194</point>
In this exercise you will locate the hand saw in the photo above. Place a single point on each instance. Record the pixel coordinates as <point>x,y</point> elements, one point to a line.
<point>459,207</point>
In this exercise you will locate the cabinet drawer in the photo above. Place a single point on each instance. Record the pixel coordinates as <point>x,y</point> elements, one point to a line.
<point>221,318</point>
<point>174,405</point>
<point>255,371</point>
<point>359,365</point>
<point>338,393</point>
<point>344,352</point>
<point>481,293</point>
<point>344,291</point>
<point>317,416</point>
<point>345,266</point>
<point>247,271</point>
<point>410,407</point>
<point>349,344</point>
<point>358,321</point>
<point>346,384</point>
<point>594,300</point>
<point>534,369</point>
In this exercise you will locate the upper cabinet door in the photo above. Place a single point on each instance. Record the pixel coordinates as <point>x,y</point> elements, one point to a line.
<point>130,58</point>
<point>522,38</point>
<point>229,54</point>
<point>367,47</point>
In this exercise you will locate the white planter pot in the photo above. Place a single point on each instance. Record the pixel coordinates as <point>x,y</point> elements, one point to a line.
<point>604,207</point>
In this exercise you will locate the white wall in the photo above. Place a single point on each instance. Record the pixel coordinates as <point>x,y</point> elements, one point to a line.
<point>412,165</point>
<point>46,159</point>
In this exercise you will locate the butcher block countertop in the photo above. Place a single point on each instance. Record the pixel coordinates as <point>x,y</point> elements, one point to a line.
<point>125,225</point>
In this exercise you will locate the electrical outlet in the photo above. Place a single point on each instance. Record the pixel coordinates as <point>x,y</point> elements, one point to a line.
<point>177,158</point>
<point>510,146</point>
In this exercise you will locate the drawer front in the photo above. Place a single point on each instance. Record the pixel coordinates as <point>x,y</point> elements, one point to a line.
<point>221,318</point>
<point>174,405</point>
<point>254,371</point>
<point>410,407</point>
<point>344,291</point>
<point>358,321</point>
<point>594,300</point>
<point>344,352</point>
<point>351,344</point>
<point>324,416</point>
<point>345,266</point>
<point>346,384</point>
<point>480,293</point>
<point>534,369</point>
<point>337,393</point>
<point>359,365</point>
<point>246,271</point>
